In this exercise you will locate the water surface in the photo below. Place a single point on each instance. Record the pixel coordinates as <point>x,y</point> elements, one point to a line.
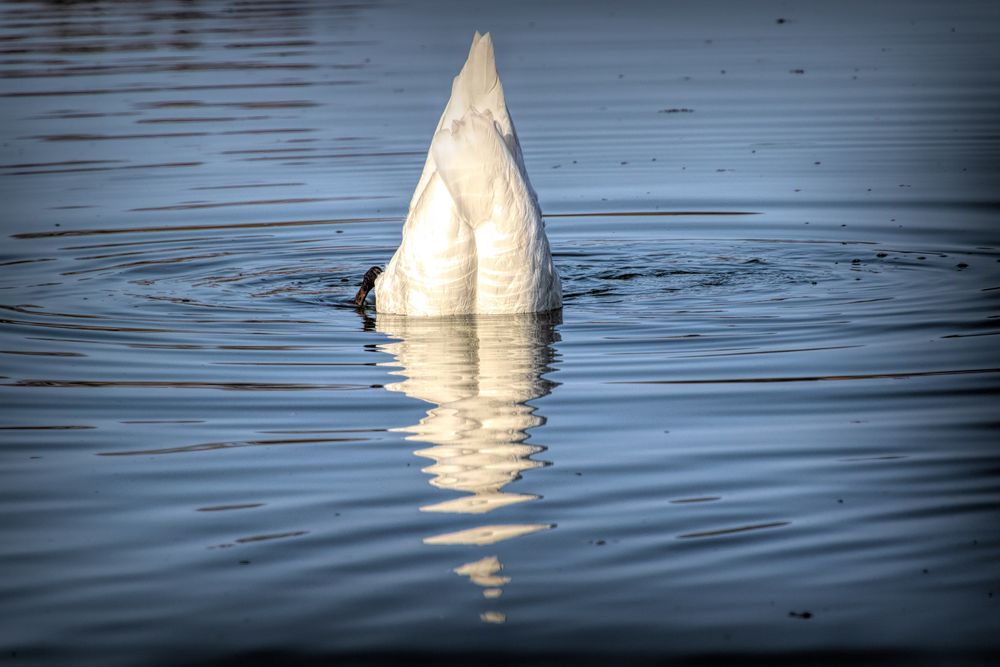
<point>763,423</point>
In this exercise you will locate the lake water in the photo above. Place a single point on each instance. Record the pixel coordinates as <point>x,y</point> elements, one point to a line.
<point>764,424</point>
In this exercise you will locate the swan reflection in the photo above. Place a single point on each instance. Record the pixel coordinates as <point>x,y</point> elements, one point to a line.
<point>478,372</point>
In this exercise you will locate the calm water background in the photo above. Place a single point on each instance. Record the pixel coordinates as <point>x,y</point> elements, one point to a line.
<point>744,434</point>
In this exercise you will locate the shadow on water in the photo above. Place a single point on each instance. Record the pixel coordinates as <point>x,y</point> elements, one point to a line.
<point>479,374</point>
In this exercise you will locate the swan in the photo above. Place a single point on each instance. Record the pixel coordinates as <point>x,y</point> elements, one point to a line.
<point>473,241</point>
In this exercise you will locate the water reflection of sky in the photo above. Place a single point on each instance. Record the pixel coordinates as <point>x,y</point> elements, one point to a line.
<point>759,415</point>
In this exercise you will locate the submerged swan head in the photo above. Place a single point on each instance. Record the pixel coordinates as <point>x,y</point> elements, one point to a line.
<point>474,241</point>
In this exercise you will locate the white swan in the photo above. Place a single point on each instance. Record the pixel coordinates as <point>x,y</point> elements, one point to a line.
<point>473,241</point>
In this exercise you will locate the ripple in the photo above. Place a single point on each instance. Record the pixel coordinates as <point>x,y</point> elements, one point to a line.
<point>72,170</point>
<point>654,214</point>
<point>817,378</point>
<point>271,536</point>
<point>214,446</point>
<point>731,531</point>
<point>248,202</point>
<point>182,384</point>
<point>205,227</point>
<point>68,427</point>
<point>702,499</point>
<point>227,508</point>
<point>158,89</point>
<point>41,353</point>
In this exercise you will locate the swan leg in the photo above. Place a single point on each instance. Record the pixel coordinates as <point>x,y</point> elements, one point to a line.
<point>367,283</point>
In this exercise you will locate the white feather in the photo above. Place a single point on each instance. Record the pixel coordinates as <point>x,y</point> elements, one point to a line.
<point>474,240</point>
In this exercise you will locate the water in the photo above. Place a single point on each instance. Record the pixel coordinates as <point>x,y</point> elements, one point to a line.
<point>764,423</point>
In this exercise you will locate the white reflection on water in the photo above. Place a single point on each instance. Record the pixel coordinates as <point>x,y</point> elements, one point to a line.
<point>478,372</point>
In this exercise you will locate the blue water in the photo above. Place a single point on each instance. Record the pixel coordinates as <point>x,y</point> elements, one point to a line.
<point>763,424</point>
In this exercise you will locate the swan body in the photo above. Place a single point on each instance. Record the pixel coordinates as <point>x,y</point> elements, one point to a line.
<point>473,241</point>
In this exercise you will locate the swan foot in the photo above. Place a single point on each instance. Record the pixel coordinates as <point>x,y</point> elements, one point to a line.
<point>367,283</point>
